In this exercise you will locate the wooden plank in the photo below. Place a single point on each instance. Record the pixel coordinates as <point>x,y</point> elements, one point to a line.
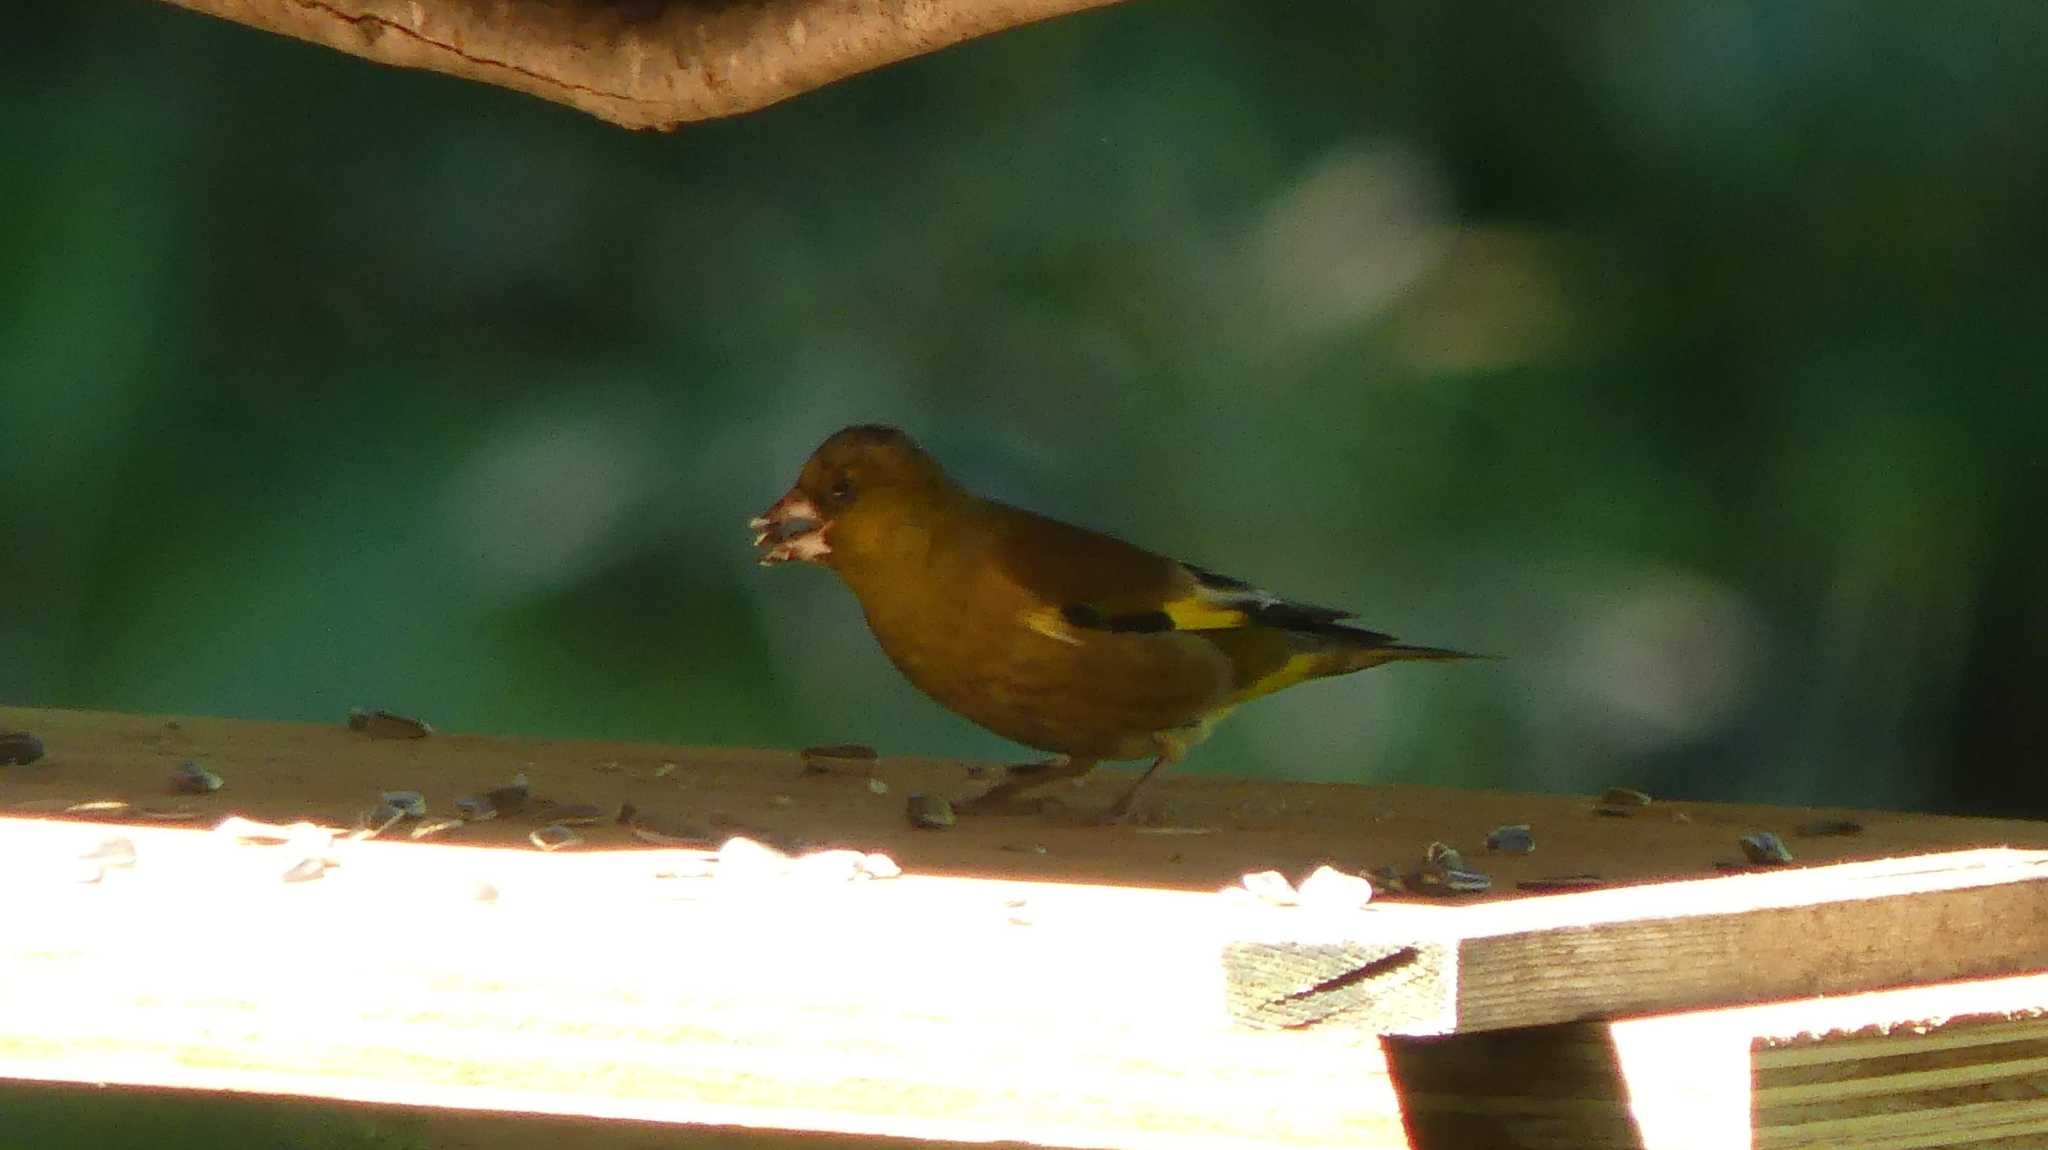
<point>988,995</point>
<point>1649,949</point>
<point>1414,968</point>
<point>929,1007</point>
<point>645,64</point>
<point>324,772</point>
<point>1968,1082</point>
<point>935,1007</point>
<point>1955,1066</point>
<point>54,1115</point>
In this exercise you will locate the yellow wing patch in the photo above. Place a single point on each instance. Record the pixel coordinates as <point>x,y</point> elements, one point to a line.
<point>1199,613</point>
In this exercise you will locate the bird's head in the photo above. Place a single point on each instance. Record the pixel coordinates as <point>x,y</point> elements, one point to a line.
<point>859,486</point>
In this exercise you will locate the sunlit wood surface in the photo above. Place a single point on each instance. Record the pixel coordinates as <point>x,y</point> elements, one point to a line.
<point>1100,993</point>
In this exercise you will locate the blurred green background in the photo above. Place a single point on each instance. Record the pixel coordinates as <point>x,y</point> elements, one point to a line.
<point>1691,357</point>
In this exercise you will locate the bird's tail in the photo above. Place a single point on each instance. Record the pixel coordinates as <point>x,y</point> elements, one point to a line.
<point>1360,657</point>
<point>1272,659</point>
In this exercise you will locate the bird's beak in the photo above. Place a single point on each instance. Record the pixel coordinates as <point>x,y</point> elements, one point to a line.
<point>792,529</point>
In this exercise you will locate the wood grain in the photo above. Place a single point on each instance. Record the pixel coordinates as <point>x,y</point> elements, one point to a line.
<point>943,1008</point>
<point>1955,1065</point>
<point>1217,830</point>
<point>1094,994</point>
<point>1650,949</point>
<point>641,63</point>
<point>1975,1082</point>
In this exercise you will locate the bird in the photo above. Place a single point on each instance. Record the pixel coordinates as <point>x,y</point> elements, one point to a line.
<point>1066,640</point>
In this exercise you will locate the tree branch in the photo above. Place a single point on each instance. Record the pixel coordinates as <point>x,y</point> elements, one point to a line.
<point>642,63</point>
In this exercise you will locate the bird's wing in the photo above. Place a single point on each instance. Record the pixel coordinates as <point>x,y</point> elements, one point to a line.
<point>1096,582</point>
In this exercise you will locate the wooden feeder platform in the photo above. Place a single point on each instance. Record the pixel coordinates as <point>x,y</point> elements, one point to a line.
<point>1027,979</point>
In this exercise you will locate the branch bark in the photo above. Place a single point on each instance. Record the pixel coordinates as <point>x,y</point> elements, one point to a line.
<point>642,63</point>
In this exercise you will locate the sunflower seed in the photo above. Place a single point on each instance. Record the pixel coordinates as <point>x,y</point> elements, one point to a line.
<point>380,724</point>
<point>192,779</point>
<point>507,800</point>
<point>877,865</point>
<point>306,869</point>
<point>664,829</point>
<point>1624,797</point>
<point>878,786</point>
<point>837,757</point>
<point>433,827</point>
<point>1455,880</point>
<point>1827,828</point>
<point>97,807</point>
<point>410,803</point>
<point>1443,856</point>
<point>167,814</point>
<point>664,770</point>
<point>1512,839</point>
<point>554,837</point>
<point>930,812</point>
<point>497,801</point>
<point>1388,879</point>
<point>1765,849</point>
<point>19,748</point>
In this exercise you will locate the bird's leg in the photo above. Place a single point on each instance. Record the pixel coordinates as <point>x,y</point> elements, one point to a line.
<point>1169,754</point>
<point>1021,777</point>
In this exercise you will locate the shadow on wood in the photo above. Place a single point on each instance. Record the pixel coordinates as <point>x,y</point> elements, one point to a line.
<point>1545,1087</point>
<point>40,1114</point>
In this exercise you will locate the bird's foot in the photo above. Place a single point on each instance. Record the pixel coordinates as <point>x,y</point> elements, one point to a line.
<point>1139,806</point>
<point>1009,798</point>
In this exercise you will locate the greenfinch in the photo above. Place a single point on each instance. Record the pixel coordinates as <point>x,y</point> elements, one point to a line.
<point>1051,635</point>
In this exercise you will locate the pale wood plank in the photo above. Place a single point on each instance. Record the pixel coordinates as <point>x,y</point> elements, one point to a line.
<point>1676,946</point>
<point>913,1007</point>
<point>1106,1011</point>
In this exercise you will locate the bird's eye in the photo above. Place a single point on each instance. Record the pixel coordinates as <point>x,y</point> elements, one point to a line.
<point>842,490</point>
